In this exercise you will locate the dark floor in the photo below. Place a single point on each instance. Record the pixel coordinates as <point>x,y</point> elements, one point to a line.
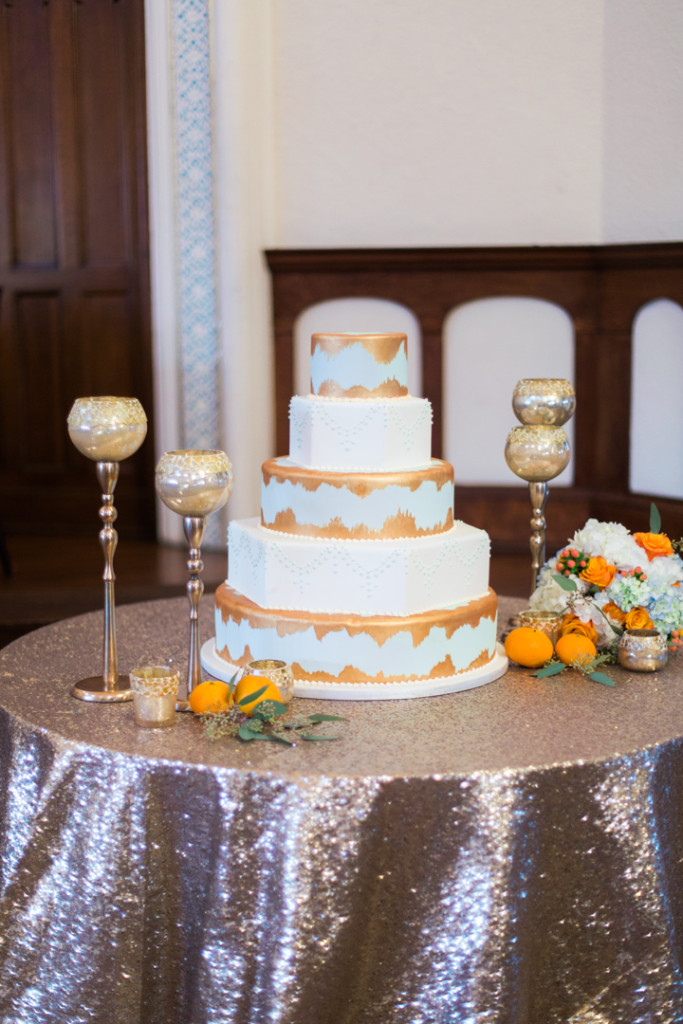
<point>55,578</point>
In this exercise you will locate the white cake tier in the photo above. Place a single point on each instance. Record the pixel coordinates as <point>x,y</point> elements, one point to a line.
<point>359,365</point>
<point>377,435</point>
<point>355,648</point>
<point>366,577</point>
<point>361,506</point>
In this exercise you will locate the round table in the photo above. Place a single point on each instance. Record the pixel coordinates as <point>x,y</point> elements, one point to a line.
<point>511,853</point>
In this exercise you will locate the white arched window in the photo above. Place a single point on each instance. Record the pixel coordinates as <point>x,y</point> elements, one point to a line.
<point>361,316</point>
<point>489,345</point>
<point>656,464</point>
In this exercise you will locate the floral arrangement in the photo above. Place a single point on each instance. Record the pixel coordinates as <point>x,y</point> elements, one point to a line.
<point>607,580</point>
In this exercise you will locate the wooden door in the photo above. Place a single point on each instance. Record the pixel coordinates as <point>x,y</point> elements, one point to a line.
<point>74,275</point>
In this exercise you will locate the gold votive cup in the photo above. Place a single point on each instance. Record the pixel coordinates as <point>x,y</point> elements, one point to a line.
<point>549,401</point>
<point>279,672</point>
<point>546,622</point>
<point>642,650</point>
<point>155,690</point>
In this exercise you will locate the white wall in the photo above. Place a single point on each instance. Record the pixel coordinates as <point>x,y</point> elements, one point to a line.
<point>643,121</point>
<point>438,122</point>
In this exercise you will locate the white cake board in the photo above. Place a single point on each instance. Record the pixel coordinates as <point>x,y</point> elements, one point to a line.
<point>220,669</point>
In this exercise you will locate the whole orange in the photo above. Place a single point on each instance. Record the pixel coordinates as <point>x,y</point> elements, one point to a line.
<point>211,695</point>
<point>528,647</point>
<point>252,684</point>
<point>573,648</point>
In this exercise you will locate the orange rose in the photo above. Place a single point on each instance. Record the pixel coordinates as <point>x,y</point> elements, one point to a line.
<point>655,545</point>
<point>638,618</point>
<point>598,572</point>
<point>614,612</point>
<point>572,624</point>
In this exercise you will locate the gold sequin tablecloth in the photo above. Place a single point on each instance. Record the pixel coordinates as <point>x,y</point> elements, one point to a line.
<point>507,855</point>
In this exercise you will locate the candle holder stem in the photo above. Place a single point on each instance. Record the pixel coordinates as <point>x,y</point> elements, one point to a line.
<point>110,686</point>
<point>107,475</point>
<point>194,531</point>
<point>538,493</point>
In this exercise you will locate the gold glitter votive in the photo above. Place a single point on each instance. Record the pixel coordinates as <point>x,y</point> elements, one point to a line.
<point>642,650</point>
<point>544,400</point>
<point>279,672</point>
<point>106,428</point>
<point>155,690</point>
<point>546,622</point>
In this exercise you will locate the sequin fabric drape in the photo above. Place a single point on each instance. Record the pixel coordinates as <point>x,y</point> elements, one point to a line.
<point>509,855</point>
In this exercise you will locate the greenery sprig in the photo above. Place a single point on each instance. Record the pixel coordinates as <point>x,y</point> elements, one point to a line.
<point>588,668</point>
<point>266,723</point>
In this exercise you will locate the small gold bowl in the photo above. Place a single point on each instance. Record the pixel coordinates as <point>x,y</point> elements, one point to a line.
<point>546,622</point>
<point>279,672</point>
<point>642,650</point>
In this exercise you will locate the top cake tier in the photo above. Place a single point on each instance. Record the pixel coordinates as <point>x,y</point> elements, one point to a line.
<point>359,365</point>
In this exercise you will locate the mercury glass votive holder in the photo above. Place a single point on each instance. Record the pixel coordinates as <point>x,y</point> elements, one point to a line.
<point>642,650</point>
<point>546,622</point>
<point>279,672</point>
<point>544,401</point>
<point>155,691</point>
<point>105,428</point>
<point>194,482</point>
<point>537,453</point>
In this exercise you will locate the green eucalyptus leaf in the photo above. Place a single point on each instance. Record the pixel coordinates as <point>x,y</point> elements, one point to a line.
<point>600,677</point>
<point>312,736</point>
<point>566,582</point>
<point>325,718</point>
<point>246,733</point>
<point>278,738</point>
<point>655,519</point>
<point>549,670</point>
<point>252,696</point>
<point>267,710</point>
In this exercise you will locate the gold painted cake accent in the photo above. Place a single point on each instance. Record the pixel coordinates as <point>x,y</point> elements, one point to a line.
<point>362,485</point>
<point>382,347</point>
<point>394,527</point>
<point>438,472</point>
<point>380,628</point>
<point>349,674</point>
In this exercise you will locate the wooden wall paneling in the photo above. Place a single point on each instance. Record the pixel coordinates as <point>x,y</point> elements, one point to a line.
<point>41,437</point>
<point>74,274</point>
<point>600,287</point>
<point>30,124</point>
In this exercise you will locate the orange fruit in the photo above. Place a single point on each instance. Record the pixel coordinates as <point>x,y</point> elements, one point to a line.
<point>573,647</point>
<point>251,684</point>
<point>211,695</point>
<point>528,647</point>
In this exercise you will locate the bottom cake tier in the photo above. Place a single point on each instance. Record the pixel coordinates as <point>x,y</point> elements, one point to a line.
<point>327,648</point>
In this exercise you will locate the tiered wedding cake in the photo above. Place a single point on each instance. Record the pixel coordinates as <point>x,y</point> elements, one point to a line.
<point>356,573</point>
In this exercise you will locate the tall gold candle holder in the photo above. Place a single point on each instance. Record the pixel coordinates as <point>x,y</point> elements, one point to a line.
<point>538,451</point>
<point>107,430</point>
<point>194,484</point>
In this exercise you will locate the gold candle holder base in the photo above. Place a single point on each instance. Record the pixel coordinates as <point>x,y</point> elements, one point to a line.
<point>95,689</point>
